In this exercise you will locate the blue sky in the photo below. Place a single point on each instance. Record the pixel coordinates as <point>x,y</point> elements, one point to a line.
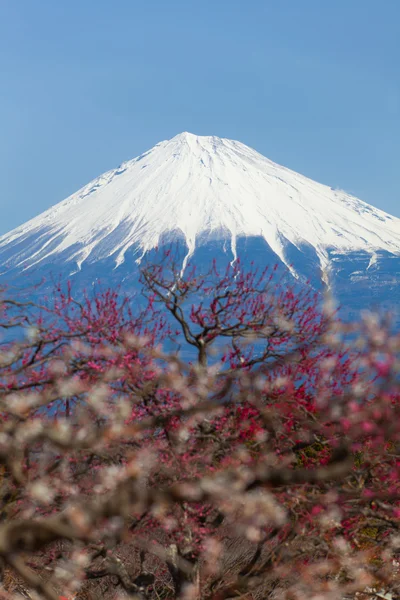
<point>86,84</point>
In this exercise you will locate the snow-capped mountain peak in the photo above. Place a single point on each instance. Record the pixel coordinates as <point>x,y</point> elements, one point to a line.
<point>198,187</point>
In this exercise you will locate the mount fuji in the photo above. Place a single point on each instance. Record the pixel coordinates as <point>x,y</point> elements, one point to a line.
<point>213,197</point>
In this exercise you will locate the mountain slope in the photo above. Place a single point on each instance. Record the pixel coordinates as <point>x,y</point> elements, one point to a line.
<point>196,188</point>
<point>214,198</point>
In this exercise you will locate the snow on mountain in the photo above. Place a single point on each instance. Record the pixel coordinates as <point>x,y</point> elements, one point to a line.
<point>199,187</point>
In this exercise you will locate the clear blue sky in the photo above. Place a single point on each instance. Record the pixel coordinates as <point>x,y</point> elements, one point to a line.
<point>86,84</point>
